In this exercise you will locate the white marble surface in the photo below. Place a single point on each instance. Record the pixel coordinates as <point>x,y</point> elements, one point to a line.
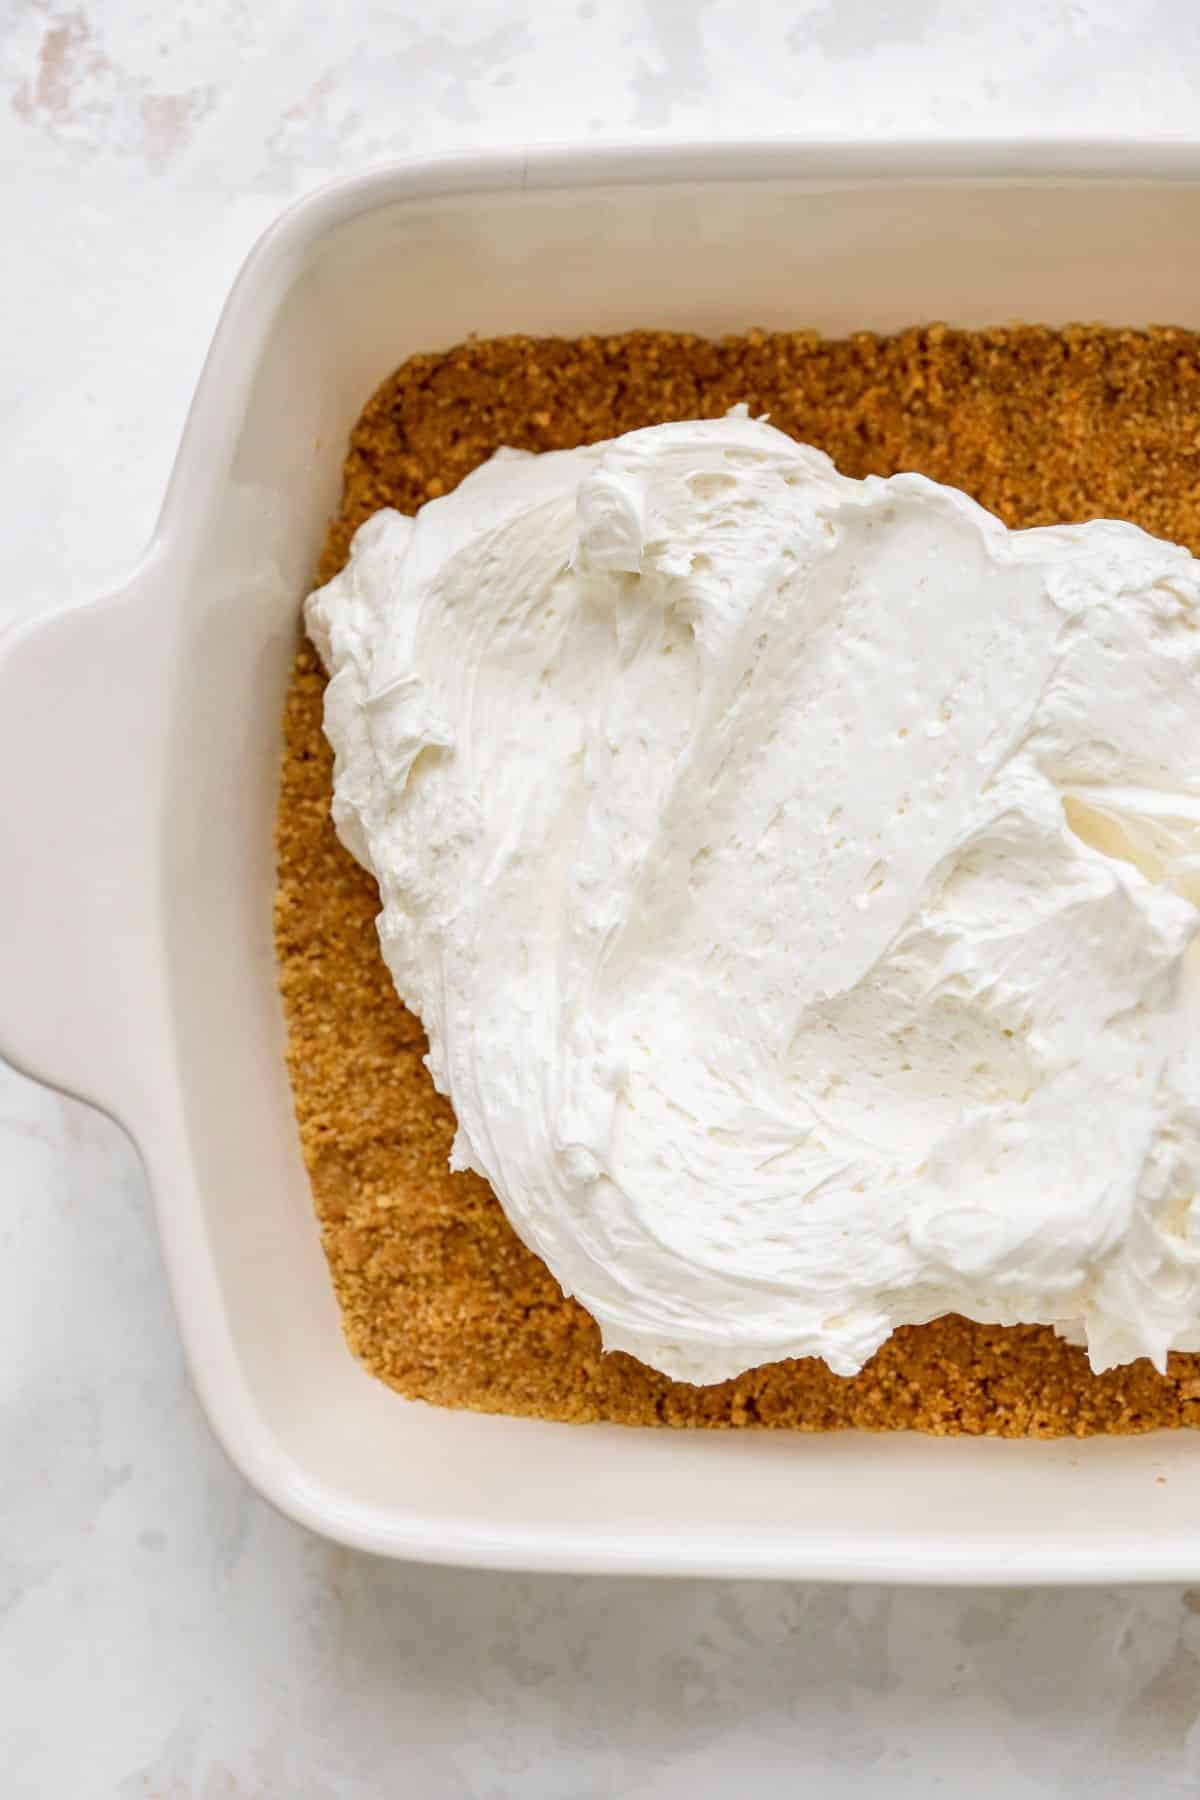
<point>162,1634</point>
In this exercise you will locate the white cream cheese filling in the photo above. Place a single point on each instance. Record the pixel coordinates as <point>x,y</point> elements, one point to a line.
<point>798,879</point>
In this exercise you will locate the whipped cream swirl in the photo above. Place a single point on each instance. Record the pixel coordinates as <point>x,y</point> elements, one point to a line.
<point>798,879</point>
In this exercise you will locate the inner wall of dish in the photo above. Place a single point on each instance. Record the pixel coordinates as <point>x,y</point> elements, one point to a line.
<point>421,275</point>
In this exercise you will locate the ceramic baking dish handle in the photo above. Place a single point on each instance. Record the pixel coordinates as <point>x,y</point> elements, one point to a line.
<point>82,703</point>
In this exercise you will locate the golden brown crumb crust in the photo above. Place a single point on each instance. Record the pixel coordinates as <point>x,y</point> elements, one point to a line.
<point>438,1296</point>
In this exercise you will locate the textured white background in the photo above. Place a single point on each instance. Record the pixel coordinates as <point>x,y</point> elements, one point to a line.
<point>161,1633</point>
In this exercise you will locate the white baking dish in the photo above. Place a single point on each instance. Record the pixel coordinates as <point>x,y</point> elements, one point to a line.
<point>139,742</point>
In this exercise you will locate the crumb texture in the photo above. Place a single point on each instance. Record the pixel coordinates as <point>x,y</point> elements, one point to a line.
<point>438,1296</point>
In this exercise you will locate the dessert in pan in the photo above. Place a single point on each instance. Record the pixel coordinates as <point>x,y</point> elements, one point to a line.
<point>740,954</point>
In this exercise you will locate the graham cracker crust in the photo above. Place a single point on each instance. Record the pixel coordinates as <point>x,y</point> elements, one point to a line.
<point>438,1296</point>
